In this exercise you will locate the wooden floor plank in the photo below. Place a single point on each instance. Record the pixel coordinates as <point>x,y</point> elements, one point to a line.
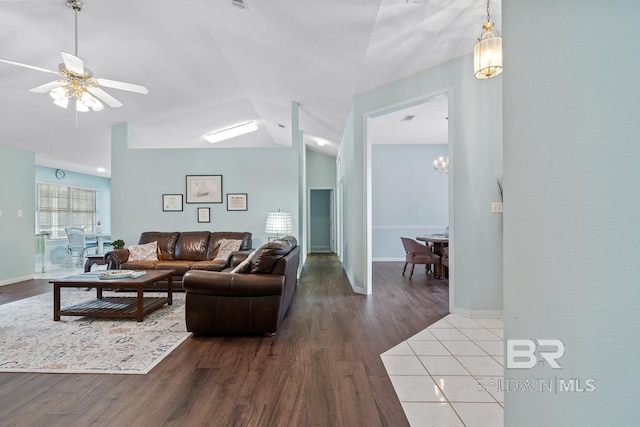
<point>323,368</point>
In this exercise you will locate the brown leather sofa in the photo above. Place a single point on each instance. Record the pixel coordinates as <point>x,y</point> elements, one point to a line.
<point>252,298</point>
<point>182,252</point>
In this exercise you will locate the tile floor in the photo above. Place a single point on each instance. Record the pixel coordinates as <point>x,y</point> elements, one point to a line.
<point>448,374</point>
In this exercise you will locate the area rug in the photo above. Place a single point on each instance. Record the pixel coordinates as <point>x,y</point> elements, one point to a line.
<point>30,341</point>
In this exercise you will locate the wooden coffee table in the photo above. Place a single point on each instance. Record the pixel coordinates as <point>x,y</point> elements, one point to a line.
<point>132,307</point>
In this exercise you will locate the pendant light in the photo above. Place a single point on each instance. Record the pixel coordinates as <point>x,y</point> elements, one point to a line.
<point>487,54</point>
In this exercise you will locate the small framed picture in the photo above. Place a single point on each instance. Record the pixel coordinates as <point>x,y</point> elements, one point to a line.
<point>172,202</point>
<point>204,188</point>
<point>204,215</point>
<point>237,202</point>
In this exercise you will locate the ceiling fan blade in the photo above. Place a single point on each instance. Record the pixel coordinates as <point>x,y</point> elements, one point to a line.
<point>47,87</point>
<point>33,67</point>
<point>104,97</point>
<point>123,86</point>
<point>72,62</point>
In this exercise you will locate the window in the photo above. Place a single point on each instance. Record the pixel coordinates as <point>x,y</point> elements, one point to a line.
<point>58,207</point>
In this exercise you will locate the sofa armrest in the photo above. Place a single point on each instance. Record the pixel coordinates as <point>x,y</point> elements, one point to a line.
<point>116,258</point>
<point>232,284</point>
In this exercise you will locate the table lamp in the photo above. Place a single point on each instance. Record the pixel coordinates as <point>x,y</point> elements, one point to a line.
<point>278,223</point>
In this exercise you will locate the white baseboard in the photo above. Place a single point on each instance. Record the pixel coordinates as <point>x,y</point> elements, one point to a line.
<point>477,314</point>
<point>15,280</point>
<point>383,259</point>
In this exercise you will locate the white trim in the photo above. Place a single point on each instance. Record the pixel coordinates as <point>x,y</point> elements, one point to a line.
<point>477,314</point>
<point>332,207</point>
<point>16,280</point>
<point>367,193</point>
<point>409,227</point>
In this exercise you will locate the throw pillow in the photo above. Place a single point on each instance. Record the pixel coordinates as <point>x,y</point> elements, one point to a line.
<point>244,266</point>
<point>227,247</point>
<point>146,252</point>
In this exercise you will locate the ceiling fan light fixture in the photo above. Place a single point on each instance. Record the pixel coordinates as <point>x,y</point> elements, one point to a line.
<point>81,107</point>
<point>58,94</point>
<point>97,106</point>
<point>88,100</point>
<point>231,132</point>
<point>63,103</point>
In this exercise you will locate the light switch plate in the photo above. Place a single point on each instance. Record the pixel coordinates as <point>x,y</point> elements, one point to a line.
<point>496,207</point>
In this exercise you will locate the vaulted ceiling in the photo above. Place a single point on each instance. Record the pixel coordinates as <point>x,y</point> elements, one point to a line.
<point>209,65</point>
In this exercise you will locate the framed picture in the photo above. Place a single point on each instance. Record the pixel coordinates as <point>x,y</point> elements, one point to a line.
<point>172,202</point>
<point>204,188</point>
<point>237,202</point>
<point>204,215</point>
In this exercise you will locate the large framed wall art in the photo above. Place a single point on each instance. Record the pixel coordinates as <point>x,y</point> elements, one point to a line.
<point>204,188</point>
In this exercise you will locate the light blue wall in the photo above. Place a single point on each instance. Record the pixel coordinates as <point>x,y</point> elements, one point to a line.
<point>572,205</point>
<point>475,121</point>
<point>17,193</point>
<point>321,170</point>
<point>140,176</point>
<point>320,174</point>
<point>56,252</point>
<point>409,198</point>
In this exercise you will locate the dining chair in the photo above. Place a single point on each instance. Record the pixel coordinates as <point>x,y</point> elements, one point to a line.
<point>417,253</point>
<point>77,245</point>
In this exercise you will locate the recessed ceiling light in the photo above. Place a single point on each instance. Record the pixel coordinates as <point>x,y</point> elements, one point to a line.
<point>321,142</point>
<point>231,132</point>
<point>101,170</point>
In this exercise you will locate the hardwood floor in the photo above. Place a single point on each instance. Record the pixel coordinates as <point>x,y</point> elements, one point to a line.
<point>322,368</point>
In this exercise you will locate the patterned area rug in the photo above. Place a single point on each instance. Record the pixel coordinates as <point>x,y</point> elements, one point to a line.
<point>30,341</point>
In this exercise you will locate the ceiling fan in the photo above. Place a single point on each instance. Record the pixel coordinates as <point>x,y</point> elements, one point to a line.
<point>77,81</point>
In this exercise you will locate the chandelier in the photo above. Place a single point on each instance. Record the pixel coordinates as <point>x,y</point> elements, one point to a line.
<point>487,54</point>
<point>441,165</point>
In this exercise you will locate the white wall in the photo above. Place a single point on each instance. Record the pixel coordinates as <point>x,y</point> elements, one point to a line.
<point>572,205</point>
<point>409,198</point>
<point>140,176</point>
<point>17,233</point>
<point>475,122</point>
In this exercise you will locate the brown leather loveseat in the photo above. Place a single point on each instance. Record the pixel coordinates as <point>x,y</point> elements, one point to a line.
<point>182,252</point>
<point>252,298</point>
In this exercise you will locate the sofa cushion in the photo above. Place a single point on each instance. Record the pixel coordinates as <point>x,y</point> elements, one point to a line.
<point>146,252</point>
<point>192,246</point>
<point>166,242</point>
<point>217,236</point>
<point>180,267</point>
<point>210,265</point>
<point>226,248</point>
<point>265,257</point>
<point>138,265</point>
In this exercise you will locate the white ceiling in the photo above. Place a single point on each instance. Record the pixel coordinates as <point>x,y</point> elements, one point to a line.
<point>209,65</point>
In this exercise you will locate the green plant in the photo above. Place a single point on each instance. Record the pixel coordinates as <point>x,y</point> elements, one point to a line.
<point>118,244</point>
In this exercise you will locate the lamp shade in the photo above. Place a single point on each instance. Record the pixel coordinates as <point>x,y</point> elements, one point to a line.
<point>279,223</point>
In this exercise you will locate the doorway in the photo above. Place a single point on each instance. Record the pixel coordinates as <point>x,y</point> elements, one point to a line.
<point>420,214</point>
<point>321,220</point>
